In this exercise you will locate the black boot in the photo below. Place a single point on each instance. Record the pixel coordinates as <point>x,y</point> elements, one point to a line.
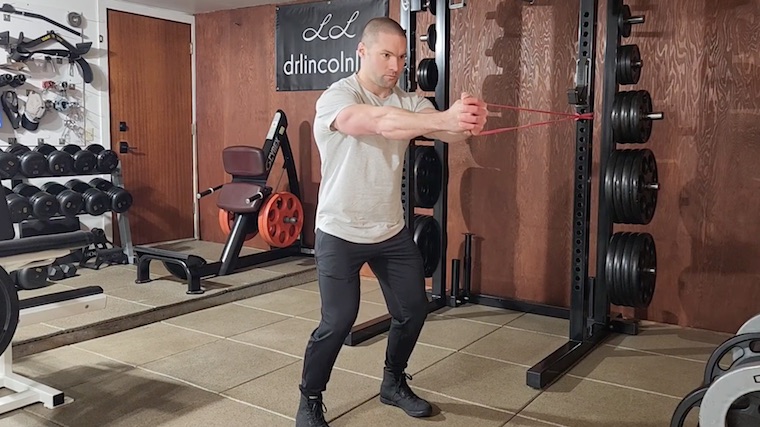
<point>396,392</point>
<point>311,412</point>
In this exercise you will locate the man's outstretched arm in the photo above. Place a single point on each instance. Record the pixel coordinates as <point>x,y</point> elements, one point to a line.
<point>464,118</point>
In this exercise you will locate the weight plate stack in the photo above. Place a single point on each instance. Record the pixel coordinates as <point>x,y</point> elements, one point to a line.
<point>427,74</point>
<point>427,237</point>
<point>631,269</point>
<point>428,174</point>
<point>628,64</point>
<point>631,187</point>
<point>631,117</point>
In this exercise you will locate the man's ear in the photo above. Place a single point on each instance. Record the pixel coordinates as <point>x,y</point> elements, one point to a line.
<point>362,49</point>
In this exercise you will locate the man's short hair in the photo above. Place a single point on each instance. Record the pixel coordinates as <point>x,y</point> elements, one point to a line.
<point>379,25</point>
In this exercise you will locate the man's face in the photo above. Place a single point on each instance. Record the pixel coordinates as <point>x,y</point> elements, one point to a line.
<point>383,58</point>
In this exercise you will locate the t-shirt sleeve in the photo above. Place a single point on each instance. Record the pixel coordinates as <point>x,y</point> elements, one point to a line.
<point>330,104</point>
<point>423,103</point>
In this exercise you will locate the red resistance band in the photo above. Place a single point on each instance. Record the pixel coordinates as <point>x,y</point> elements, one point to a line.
<point>566,116</point>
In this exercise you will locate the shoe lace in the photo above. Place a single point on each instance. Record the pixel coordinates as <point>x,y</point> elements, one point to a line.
<point>404,388</point>
<point>318,409</point>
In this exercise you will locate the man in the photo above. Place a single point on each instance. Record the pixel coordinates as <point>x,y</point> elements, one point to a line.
<point>362,128</point>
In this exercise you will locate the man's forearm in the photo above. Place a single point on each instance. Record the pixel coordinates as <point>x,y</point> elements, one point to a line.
<point>396,123</point>
<point>446,136</point>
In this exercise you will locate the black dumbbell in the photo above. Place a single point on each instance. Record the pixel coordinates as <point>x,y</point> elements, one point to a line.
<point>28,279</point>
<point>9,165</point>
<point>96,202</point>
<point>44,205</point>
<point>108,160</point>
<point>85,162</point>
<point>121,199</point>
<point>59,162</point>
<point>71,202</point>
<point>55,272</point>
<point>31,163</point>
<point>19,206</point>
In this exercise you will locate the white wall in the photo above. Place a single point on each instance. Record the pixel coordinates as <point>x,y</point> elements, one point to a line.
<point>92,120</point>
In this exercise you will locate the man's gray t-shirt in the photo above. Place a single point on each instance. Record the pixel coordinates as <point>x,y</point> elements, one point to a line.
<point>360,191</point>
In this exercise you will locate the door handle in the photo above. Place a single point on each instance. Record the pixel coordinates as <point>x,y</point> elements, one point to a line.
<point>124,147</point>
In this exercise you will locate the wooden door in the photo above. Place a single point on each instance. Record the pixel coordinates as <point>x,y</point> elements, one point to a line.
<point>150,84</point>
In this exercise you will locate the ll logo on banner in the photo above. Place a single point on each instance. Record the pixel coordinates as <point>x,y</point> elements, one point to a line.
<point>317,42</point>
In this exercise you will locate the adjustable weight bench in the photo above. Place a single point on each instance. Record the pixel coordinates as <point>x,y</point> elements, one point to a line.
<point>240,203</point>
<point>26,252</point>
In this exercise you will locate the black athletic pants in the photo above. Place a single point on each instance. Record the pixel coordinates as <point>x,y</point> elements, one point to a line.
<point>397,263</point>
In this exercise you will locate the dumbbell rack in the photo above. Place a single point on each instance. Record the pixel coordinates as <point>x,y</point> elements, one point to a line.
<point>408,20</point>
<point>33,226</point>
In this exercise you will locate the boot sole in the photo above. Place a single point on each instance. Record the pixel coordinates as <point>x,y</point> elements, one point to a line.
<point>415,414</point>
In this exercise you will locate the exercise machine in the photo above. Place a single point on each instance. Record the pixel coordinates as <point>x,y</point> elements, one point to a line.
<point>28,252</point>
<point>247,207</point>
<point>729,395</point>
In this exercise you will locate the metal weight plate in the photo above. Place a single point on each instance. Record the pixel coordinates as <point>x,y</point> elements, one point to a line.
<point>615,119</point>
<point>623,24</point>
<point>9,310</point>
<point>741,347</point>
<point>645,124</point>
<point>622,285</point>
<point>625,185</point>
<point>628,71</point>
<point>428,173</point>
<point>618,182</point>
<point>431,37</point>
<point>631,269</point>
<point>609,182</point>
<point>646,188</point>
<point>643,271</point>
<point>616,251</point>
<point>427,237</point>
<point>689,402</point>
<point>427,74</point>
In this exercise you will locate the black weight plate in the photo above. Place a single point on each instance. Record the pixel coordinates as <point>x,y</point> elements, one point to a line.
<point>427,237</point>
<point>615,116</point>
<point>609,182</point>
<point>624,286</point>
<point>649,178</point>
<point>741,342</point>
<point>628,113</point>
<point>645,128</point>
<point>635,187</point>
<point>634,59</point>
<point>647,261</point>
<point>609,265</point>
<point>625,187</point>
<point>431,37</point>
<point>689,402</point>
<point>625,27</point>
<point>618,265</point>
<point>645,199</point>
<point>619,117</point>
<point>427,74</point>
<point>637,117</point>
<point>623,66</point>
<point>428,172</point>
<point>9,165</point>
<point>618,193</point>
<point>9,310</point>
<point>633,275</point>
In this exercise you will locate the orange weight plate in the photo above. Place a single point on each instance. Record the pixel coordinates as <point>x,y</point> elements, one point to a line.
<point>281,219</point>
<point>227,220</point>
